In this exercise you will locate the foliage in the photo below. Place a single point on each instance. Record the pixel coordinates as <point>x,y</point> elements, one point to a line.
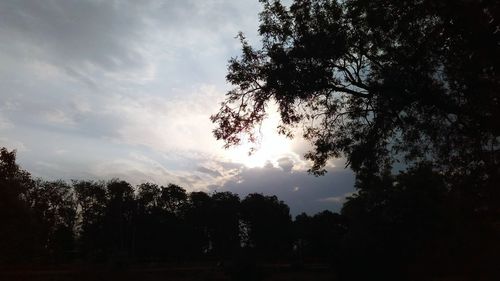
<point>224,223</point>
<point>410,224</point>
<point>413,224</point>
<point>377,82</point>
<point>268,224</point>
<point>15,214</point>
<point>381,82</point>
<point>320,235</point>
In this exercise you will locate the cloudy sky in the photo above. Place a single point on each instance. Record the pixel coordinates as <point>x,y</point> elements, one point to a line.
<point>104,89</point>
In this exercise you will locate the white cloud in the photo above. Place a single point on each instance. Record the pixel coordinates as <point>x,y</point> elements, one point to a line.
<point>169,124</point>
<point>135,168</point>
<point>58,117</point>
<point>337,199</point>
<point>125,89</point>
<point>13,144</point>
<point>5,123</point>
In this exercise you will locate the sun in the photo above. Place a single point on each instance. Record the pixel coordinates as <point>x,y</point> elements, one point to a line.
<point>270,148</point>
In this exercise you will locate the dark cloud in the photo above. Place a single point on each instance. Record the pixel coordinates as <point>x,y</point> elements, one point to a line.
<point>210,172</point>
<point>81,79</point>
<point>75,34</point>
<point>303,192</point>
<point>189,180</point>
<point>230,165</point>
<point>286,164</point>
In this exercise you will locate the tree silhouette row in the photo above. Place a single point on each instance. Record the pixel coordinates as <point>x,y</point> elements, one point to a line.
<point>395,226</point>
<point>98,221</point>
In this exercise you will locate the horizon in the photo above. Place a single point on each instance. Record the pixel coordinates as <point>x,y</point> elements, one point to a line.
<point>101,90</point>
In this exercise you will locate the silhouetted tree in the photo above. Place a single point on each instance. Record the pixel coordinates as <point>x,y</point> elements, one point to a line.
<point>148,197</point>
<point>119,217</point>
<point>320,236</point>
<point>225,224</point>
<point>376,82</point>
<point>380,82</point>
<point>411,225</point>
<point>198,216</point>
<point>268,223</point>
<point>91,200</point>
<point>173,199</point>
<point>148,236</point>
<point>38,217</point>
<point>54,208</point>
<point>52,221</point>
<point>18,241</point>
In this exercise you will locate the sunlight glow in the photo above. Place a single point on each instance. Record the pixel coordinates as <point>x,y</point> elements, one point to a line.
<point>272,146</point>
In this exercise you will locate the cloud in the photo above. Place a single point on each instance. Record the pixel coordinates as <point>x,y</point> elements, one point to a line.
<point>107,44</point>
<point>210,172</point>
<point>13,144</point>
<point>337,199</point>
<point>286,164</point>
<point>135,168</point>
<point>169,123</point>
<point>92,64</point>
<point>5,123</point>
<point>59,117</point>
<point>302,191</point>
<point>333,199</point>
<point>125,89</point>
<point>80,37</point>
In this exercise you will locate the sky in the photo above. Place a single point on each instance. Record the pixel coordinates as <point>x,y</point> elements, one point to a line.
<point>124,89</point>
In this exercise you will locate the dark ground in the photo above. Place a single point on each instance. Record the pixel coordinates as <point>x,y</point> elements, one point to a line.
<point>170,272</point>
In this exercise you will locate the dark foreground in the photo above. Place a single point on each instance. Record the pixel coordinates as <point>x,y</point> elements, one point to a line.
<point>170,272</point>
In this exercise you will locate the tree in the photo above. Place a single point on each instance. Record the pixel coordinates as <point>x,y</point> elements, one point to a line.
<point>173,198</point>
<point>37,217</point>
<point>148,222</point>
<point>120,211</point>
<point>148,197</point>
<point>54,210</point>
<point>91,201</point>
<point>377,82</point>
<point>413,224</point>
<point>319,236</point>
<point>198,216</point>
<point>225,224</point>
<point>268,224</point>
<point>16,244</point>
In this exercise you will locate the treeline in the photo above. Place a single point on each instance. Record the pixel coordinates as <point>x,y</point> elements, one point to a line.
<point>396,226</point>
<point>97,221</point>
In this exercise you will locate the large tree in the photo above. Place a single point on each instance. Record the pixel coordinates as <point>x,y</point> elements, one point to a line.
<point>267,223</point>
<point>16,244</point>
<point>376,82</point>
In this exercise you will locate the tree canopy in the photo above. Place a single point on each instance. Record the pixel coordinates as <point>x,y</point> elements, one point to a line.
<point>375,82</point>
<point>409,224</point>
